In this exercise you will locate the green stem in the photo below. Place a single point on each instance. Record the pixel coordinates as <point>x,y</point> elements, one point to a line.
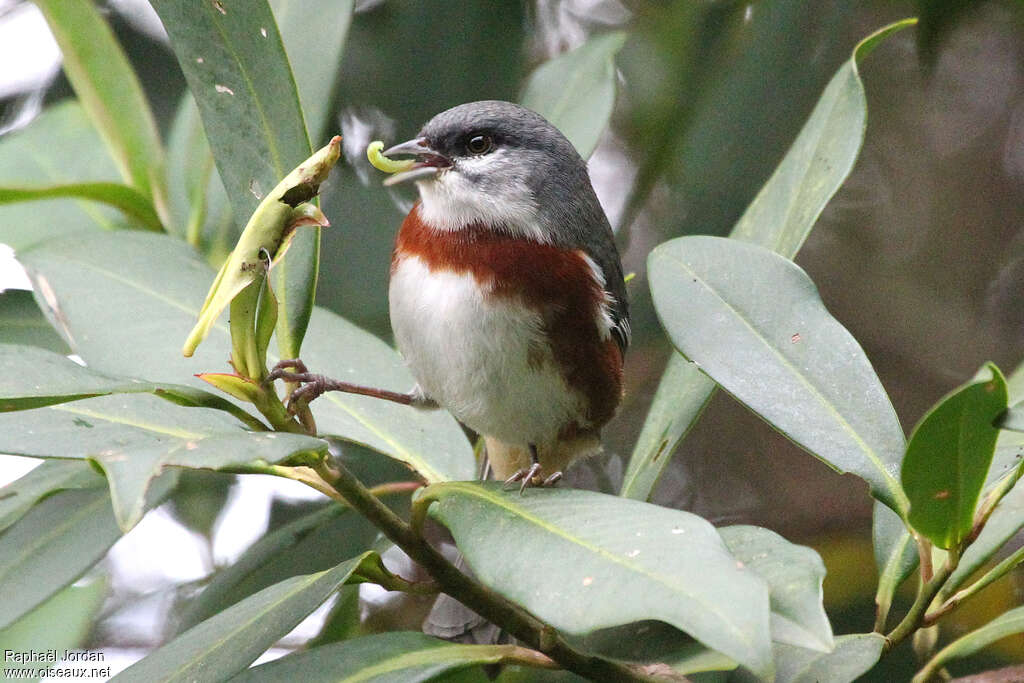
<point>926,592</point>
<point>474,595</point>
<point>997,572</point>
<point>270,405</point>
<point>197,210</point>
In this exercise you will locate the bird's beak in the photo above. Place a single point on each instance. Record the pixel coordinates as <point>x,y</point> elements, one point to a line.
<point>429,164</point>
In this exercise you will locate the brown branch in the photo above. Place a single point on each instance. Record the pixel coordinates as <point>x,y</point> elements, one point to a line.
<point>474,595</point>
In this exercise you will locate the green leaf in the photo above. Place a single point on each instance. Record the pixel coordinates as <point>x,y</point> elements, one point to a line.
<point>585,561</point>
<point>74,608</point>
<point>778,350</point>
<point>650,642</point>
<point>227,643</point>
<point>199,203</point>
<point>400,657</point>
<point>683,393</point>
<point>949,455</point>
<point>130,299</point>
<point>314,542</point>
<point>576,91</point>
<point>1006,520</point>
<point>61,146</point>
<point>1006,624</point>
<point>779,218</point>
<point>111,94</point>
<point>134,438</point>
<point>853,656</point>
<point>18,497</point>
<point>314,49</point>
<point>21,322</point>
<point>895,556</point>
<point>51,546</point>
<point>133,204</point>
<point>794,574</point>
<point>820,159</point>
<point>31,377</point>
<point>237,69</point>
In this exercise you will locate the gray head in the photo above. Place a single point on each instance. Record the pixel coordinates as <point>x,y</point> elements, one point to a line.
<point>498,164</point>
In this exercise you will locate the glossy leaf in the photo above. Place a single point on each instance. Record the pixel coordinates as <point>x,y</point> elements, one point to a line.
<point>198,197</point>
<point>1006,624</point>
<point>60,146</point>
<point>227,643</point>
<point>134,205</point>
<point>777,349</point>
<point>51,546</point>
<point>586,561</point>
<point>1006,521</point>
<point>31,377</point>
<point>779,218</point>
<point>129,299</point>
<point>820,159</point>
<point>18,497</point>
<point>576,91</point>
<point>895,556</point>
<point>21,322</point>
<point>237,69</point>
<point>134,438</point>
<point>399,657</point>
<point>314,542</point>
<point>949,455</point>
<point>794,574</point>
<point>111,94</point>
<point>853,656</point>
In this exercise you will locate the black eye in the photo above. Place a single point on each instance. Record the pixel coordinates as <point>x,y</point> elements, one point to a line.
<point>479,144</point>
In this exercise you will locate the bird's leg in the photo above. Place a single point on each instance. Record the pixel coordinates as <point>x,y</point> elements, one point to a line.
<point>314,385</point>
<point>532,475</point>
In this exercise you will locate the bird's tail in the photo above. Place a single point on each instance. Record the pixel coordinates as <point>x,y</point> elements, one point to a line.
<point>505,460</point>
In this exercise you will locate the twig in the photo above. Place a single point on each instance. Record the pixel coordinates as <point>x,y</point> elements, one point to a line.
<point>926,592</point>
<point>477,597</point>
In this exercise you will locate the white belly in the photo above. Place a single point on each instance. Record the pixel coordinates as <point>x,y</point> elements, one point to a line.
<point>484,360</point>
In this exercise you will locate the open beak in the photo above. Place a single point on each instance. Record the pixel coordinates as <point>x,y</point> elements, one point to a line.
<point>428,165</point>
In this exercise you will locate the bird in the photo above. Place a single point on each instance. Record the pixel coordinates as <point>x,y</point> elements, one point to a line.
<point>506,293</point>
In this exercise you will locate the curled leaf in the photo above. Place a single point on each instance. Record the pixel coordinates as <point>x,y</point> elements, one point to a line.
<point>268,232</point>
<point>382,163</point>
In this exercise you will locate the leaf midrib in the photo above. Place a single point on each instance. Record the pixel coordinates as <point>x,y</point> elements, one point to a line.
<point>597,550</point>
<point>894,489</point>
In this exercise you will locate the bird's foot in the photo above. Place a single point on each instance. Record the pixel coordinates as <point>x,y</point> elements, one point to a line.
<point>312,386</point>
<point>531,476</point>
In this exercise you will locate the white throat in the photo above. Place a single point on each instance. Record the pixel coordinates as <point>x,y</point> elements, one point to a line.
<point>450,201</point>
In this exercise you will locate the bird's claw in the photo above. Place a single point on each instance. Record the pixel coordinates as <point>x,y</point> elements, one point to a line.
<point>531,477</point>
<point>311,386</point>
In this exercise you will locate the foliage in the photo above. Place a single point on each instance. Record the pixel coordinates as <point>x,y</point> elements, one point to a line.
<point>121,274</point>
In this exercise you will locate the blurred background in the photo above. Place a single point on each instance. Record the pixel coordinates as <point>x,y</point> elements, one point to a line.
<point>920,254</point>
